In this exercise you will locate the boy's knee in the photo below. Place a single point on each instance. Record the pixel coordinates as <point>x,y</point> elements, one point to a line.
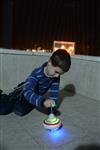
<point>4,112</point>
<point>21,114</point>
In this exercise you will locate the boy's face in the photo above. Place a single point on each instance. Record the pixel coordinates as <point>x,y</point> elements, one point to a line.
<point>52,71</point>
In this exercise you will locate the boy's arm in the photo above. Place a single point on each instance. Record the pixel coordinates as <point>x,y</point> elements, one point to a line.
<point>29,91</point>
<point>54,89</point>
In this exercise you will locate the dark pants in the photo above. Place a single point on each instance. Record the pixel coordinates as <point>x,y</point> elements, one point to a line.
<point>14,102</point>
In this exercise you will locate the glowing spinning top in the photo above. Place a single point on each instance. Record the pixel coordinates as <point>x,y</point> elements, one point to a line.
<point>52,122</point>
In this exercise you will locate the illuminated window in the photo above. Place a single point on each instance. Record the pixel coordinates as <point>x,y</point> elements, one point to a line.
<point>69,46</point>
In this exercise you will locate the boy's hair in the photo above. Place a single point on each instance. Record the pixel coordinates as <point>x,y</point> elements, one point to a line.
<point>61,58</point>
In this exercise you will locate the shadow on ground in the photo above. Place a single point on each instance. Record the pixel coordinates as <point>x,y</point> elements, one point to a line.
<point>68,91</point>
<point>88,147</point>
<point>3,147</point>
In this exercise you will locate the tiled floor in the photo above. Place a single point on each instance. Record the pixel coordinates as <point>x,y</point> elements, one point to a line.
<point>81,125</point>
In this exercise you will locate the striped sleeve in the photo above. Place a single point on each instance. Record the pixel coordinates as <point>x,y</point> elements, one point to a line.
<point>54,89</point>
<point>29,92</point>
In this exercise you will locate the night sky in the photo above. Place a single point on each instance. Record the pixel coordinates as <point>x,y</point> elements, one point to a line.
<point>43,21</point>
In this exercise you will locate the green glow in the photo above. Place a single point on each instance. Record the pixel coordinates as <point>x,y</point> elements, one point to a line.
<point>53,120</point>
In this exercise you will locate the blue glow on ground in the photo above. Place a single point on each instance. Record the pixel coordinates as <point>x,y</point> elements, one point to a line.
<point>58,136</point>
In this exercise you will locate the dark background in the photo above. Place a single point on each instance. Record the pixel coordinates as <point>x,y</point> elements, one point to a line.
<point>25,23</point>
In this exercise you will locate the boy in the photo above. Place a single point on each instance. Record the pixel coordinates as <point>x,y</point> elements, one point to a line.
<point>32,93</point>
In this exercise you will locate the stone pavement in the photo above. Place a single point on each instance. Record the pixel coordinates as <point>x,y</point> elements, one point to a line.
<point>81,126</point>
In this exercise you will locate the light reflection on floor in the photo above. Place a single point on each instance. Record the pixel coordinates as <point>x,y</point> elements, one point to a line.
<point>64,135</point>
<point>58,137</point>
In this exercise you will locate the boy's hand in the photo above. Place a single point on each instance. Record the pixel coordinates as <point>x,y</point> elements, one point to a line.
<point>48,103</point>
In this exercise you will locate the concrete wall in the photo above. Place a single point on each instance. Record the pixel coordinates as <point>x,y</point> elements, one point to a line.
<point>83,77</point>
